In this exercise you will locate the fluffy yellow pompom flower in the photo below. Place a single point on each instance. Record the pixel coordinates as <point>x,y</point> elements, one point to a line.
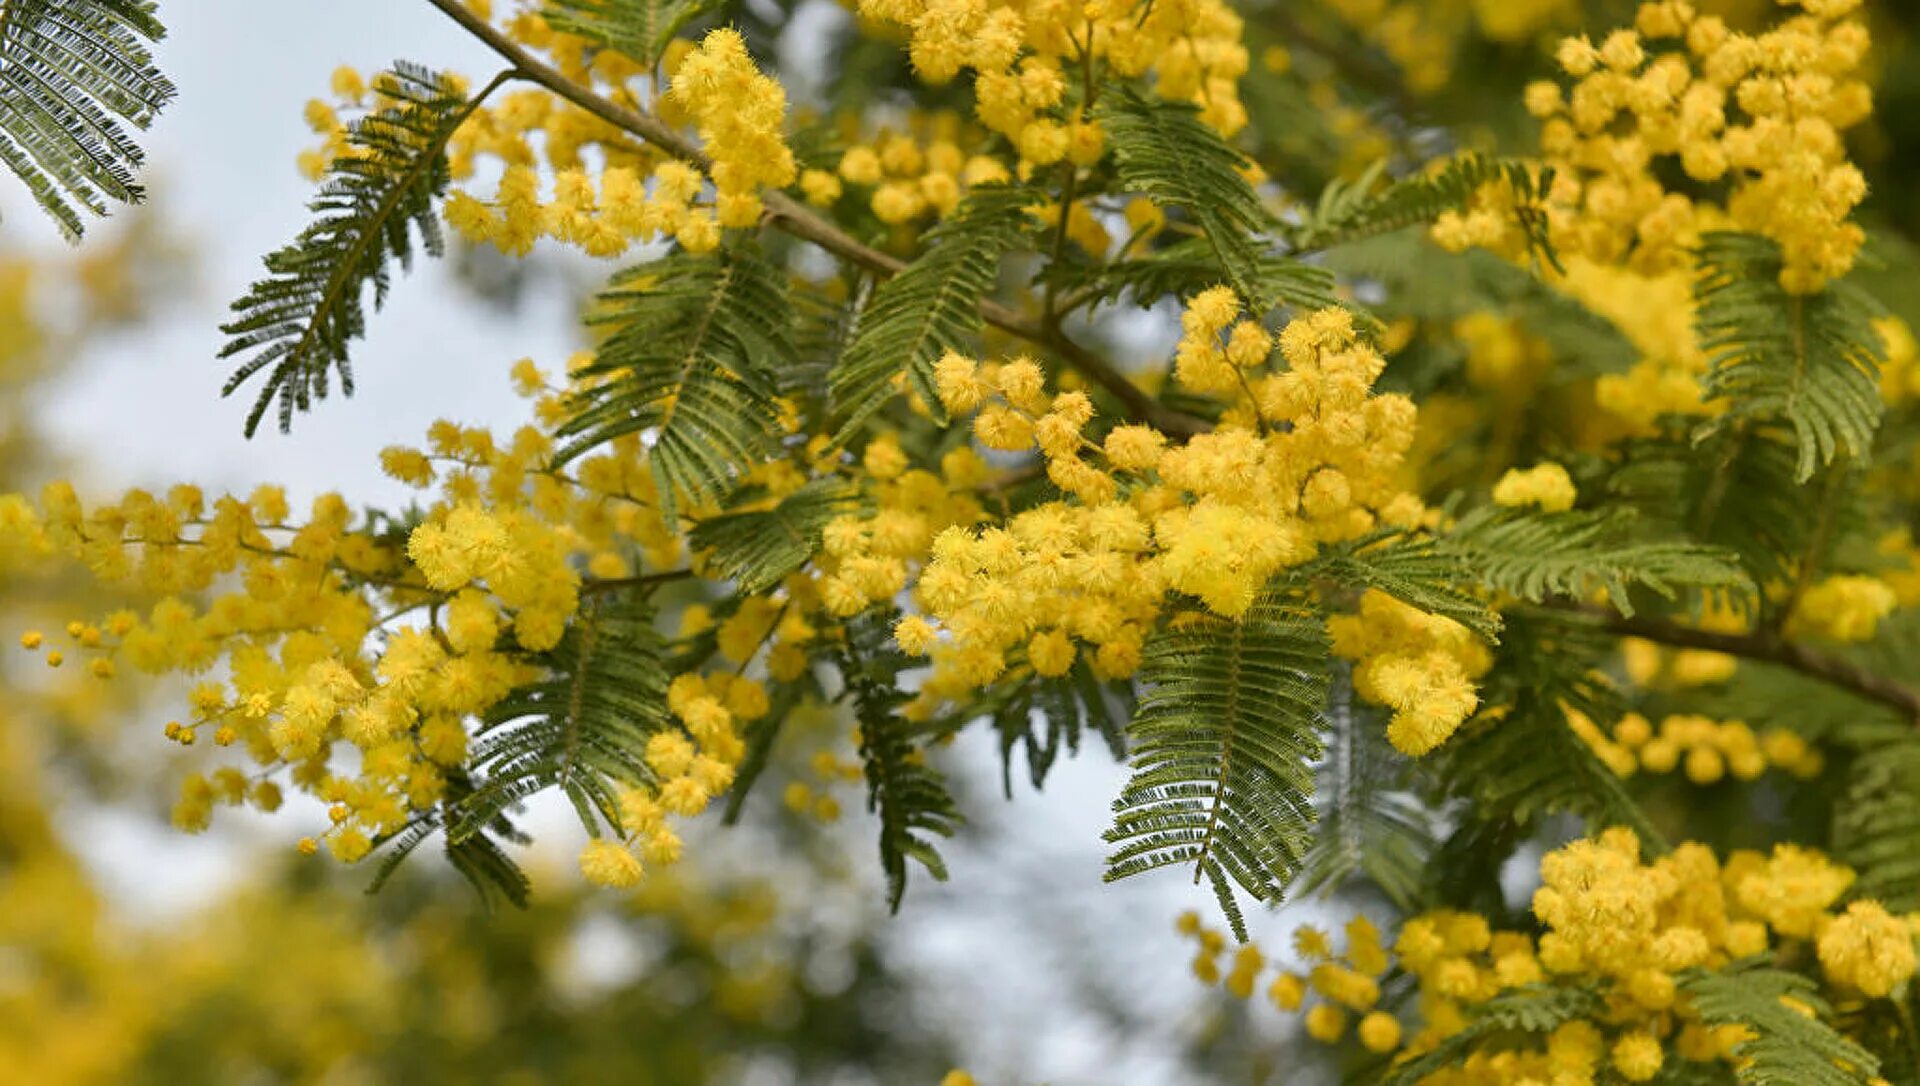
<point>608,863</point>
<point>1868,948</point>
<point>1638,1056</point>
<point>1545,485</point>
<point>1845,608</point>
<point>1380,1032</point>
<point>740,114</point>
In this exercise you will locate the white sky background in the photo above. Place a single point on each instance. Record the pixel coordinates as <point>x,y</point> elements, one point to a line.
<point>1011,946</point>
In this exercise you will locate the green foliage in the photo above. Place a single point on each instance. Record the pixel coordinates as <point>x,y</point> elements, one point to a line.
<point>1190,265</point>
<point>73,73</point>
<point>1372,824</point>
<point>1736,490</point>
<point>1787,1048</point>
<point>1224,742</point>
<point>1423,281</point>
<point>1534,555</point>
<point>478,857</point>
<point>931,307</point>
<point>637,29</point>
<point>1046,717</point>
<point>1364,207</point>
<point>1415,570</point>
<point>1810,360</point>
<point>377,195</point>
<point>691,351</point>
<point>1527,763</point>
<point>1505,1021</point>
<point>909,795</point>
<point>1164,151</point>
<point>1876,823</point>
<point>757,548</point>
<point>582,728</point>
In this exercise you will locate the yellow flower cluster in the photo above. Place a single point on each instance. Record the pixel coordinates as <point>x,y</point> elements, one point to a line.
<point>1762,113</point>
<point>1419,665</point>
<point>692,767</point>
<point>1024,56</point>
<point>1501,358</point>
<point>1708,750</point>
<point>1900,373</point>
<point>636,197</point>
<point>310,622</point>
<point>907,177</point>
<point>1546,486</point>
<point>1305,456</point>
<point>1422,36</point>
<point>1844,608</point>
<point>1339,985</point>
<point>1610,920</point>
<point>740,115</point>
<point>1655,312</point>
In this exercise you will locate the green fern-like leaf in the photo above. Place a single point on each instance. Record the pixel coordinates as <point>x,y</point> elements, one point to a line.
<point>691,349</point>
<point>1164,151</point>
<point>908,795</point>
<point>931,307</point>
<point>1364,207</point>
<point>638,29</point>
<point>1522,1016</point>
<point>478,857</point>
<point>1224,743</point>
<point>1372,825</point>
<point>1787,1048</point>
<point>758,547</point>
<point>1876,825</point>
<point>73,75</point>
<point>295,324</point>
<point>1812,361</point>
<point>1737,491</point>
<point>1190,265</point>
<point>1414,570</point>
<point>583,728</point>
<point>1535,555</point>
<point>1526,762</point>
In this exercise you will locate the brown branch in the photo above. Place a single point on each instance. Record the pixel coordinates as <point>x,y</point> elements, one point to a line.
<point>597,586</point>
<point>800,221</point>
<point>1771,648</point>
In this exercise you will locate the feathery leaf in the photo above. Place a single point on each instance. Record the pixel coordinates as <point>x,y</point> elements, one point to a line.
<point>1876,823</point>
<point>583,728</point>
<point>692,347</point>
<point>1786,1047</point>
<point>1224,743</point>
<point>932,306</point>
<point>1534,1010</point>
<point>1164,151</point>
<point>637,29</point>
<point>909,795</point>
<point>1350,210</point>
<point>1534,555</point>
<point>1810,360</point>
<point>73,74</point>
<point>296,324</point>
<point>758,546</point>
<point>1372,825</point>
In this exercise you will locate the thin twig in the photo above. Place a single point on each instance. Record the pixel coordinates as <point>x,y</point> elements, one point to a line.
<point>645,580</point>
<point>1768,647</point>
<point>800,221</point>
